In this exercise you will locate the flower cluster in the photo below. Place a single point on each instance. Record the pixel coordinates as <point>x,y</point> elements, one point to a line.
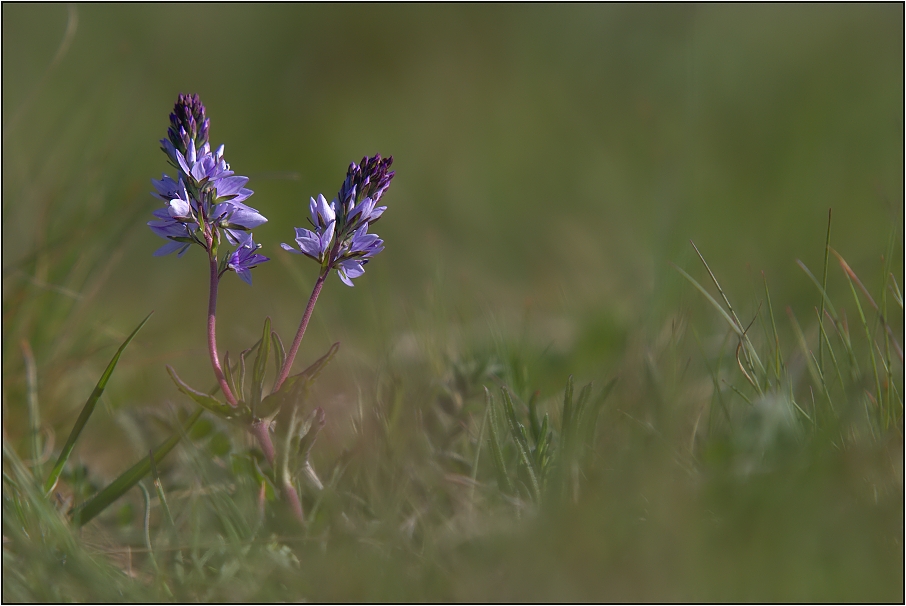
<point>205,203</point>
<point>340,239</point>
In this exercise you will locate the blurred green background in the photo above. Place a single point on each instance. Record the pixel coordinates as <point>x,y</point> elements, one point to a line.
<point>551,162</point>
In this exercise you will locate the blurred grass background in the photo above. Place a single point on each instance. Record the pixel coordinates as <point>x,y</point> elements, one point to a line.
<point>551,161</point>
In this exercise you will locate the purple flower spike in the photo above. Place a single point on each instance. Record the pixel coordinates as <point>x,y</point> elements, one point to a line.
<point>245,258</point>
<point>205,203</point>
<point>340,239</point>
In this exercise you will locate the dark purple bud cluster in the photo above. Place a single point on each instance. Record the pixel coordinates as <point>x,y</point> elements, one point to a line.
<point>366,180</point>
<point>188,123</point>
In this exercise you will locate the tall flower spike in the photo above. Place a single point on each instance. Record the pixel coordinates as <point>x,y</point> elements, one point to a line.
<point>205,204</point>
<point>340,239</point>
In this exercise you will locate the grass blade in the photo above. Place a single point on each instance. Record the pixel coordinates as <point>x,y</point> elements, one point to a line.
<point>497,442</point>
<point>87,410</point>
<point>34,413</point>
<point>279,352</point>
<point>230,378</point>
<point>749,347</point>
<point>159,488</point>
<point>260,366</point>
<point>91,508</point>
<point>522,446</point>
<point>853,278</point>
<point>566,420</point>
<point>824,289</point>
<point>711,299</point>
<point>778,355</point>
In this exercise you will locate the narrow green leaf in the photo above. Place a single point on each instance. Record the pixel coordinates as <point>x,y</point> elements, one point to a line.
<point>146,526</point>
<point>811,361</point>
<point>224,411</point>
<point>91,508</point>
<point>778,355</point>
<point>734,321</point>
<point>34,412</point>
<point>87,410</point>
<point>895,289</point>
<point>566,420</point>
<point>308,433</point>
<point>497,442</point>
<point>295,386</point>
<point>279,352</point>
<point>854,279</point>
<point>159,488</point>
<point>533,418</point>
<point>478,444</point>
<point>260,367</point>
<point>230,377</point>
<point>833,355</point>
<point>871,350</point>
<point>719,289</point>
<point>825,300</point>
<point>518,431</point>
<point>242,355</point>
<point>542,444</point>
<point>824,289</point>
<point>708,296</point>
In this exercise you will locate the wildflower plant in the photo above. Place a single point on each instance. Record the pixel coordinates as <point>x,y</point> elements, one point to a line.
<point>205,205</point>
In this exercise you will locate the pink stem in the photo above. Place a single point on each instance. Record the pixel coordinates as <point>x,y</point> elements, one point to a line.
<point>284,372</point>
<point>261,430</point>
<point>290,491</point>
<point>212,335</point>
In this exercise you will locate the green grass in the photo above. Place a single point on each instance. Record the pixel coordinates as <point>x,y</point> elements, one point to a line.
<point>529,402</point>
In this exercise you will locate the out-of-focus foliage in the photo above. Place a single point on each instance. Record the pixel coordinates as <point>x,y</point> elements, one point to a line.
<point>552,161</point>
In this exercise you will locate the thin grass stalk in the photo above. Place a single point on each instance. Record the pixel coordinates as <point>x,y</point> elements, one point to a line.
<point>521,445</point>
<point>778,355</point>
<point>750,348</point>
<point>34,412</point>
<point>833,356</point>
<point>497,442</point>
<point>817,378</point>
<point>146,526</point>
<point>159,488</point>
<point>871,349</point>
<point>824,289</point>
<point>854,278</point>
